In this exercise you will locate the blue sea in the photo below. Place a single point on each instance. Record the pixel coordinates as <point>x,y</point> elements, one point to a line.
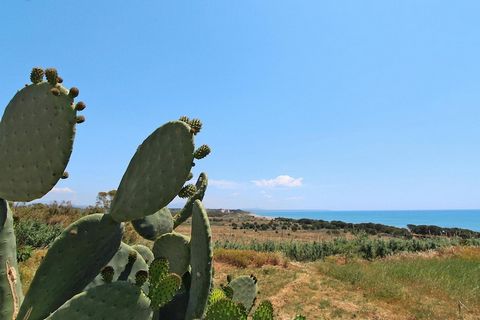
<point>467,219</point>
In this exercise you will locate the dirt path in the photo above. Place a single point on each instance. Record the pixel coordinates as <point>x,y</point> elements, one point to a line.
<point>314,294</point>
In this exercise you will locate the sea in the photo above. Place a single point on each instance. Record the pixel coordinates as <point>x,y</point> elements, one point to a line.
<point>467,219</point>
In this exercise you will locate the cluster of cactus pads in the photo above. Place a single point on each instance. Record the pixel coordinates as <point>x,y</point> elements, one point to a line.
<point>88,272</point>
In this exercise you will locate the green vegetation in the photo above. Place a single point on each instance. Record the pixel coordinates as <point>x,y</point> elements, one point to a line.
<point>452,278</point>
<point>362,247</point>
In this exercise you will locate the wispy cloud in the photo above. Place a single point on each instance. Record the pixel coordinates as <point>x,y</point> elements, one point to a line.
<point>223,184</point>
<point>62,190</point>
<point>280,181</point>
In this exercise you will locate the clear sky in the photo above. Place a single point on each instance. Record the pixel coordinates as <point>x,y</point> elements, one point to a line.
<point>306,104</point>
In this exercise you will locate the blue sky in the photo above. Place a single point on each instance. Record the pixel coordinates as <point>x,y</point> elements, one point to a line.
<point>306,104</point>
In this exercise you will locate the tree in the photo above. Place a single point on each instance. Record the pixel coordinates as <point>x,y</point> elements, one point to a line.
<point>104,199</point>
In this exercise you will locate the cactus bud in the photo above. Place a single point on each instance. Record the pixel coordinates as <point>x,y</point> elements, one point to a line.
<point>187,191</point>
<point>184,119</point>
<point>107,274</point>
<point>196,125</point>
<point>52,76</point>
<point>80,106</point>
<point>190,176</point>
<point>55,91</point>
<point>80,119</point>
<point>73,92</point>
<point>65,175</point>
<point>59,79</point>
<point>36,76</point>
<point>141,277</point>
<point>202,152</point>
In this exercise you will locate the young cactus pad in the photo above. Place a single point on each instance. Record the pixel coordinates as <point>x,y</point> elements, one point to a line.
<point>118,300</point>
<point>153,226</point>
<point>72,262</point>
<point>156,172</point>
<point>201,262</point>
<point>226,309</point>
<point>11,295</point>
<point>36,138</point>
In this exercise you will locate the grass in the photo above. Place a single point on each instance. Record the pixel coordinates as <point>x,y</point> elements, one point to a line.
<point>427,287</point>
<point>246,258</point>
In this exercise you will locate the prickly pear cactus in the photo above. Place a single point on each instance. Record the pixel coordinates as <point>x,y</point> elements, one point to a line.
<point>201,262</point>
<point>145,252</point>
<point>264,311</point>
<point>244,290</point>
<point>11,295</point>
<point>153,226</point>
<point>175,247</point>
<point>36,137</point>
<point>156,172</point>
<point>186,212</point>
<point>226,309</point>
<point>72,262</point>
<point>118,300</point>
<point>122,267</point>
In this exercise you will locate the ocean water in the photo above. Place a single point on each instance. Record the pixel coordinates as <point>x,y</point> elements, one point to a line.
<point>467,219</point>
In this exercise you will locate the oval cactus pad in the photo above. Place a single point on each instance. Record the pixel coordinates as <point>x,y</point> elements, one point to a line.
<point>201,262</point>
<point>36,139</point>
<point>74,259</point>
<point>119,300</point>
<point>156,172</point>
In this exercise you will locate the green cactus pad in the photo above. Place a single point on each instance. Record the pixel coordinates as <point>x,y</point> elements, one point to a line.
<point>186,212</point>
<point>145,252</point>
<point>225,309</point>
<point>244,291</point>
<point>175,309</point>
<point>163,290</point>
<point>153,226</point>
<point>75,258</point>
<point>119,263</point>
<point>264,311</point>
<point>156,172</point>
<point>216,295</point>
<point>175,247</point>
<point>201,262</point>
<point>118,300</point>
<point>36,138</point>
<point>11,295</point>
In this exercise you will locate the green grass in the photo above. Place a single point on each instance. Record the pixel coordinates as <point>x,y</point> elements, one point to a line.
<point>423,285</point>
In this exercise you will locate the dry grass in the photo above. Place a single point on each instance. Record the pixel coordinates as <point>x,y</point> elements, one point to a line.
<point>29,267</point>
<point>249,258</point>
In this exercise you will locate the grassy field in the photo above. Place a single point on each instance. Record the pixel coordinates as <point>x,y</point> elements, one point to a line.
<point>318,273</point>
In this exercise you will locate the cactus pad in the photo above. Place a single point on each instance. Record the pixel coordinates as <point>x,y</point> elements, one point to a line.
<point>122,267</point>
<point>118,300</point>
<point>11,295</point>
<point>175,248</point>
<point>225,309</point>
<point>201,262</point>
<point>244,290</point>
<point>36,138</point>
<point>156,172</point>
<point>186,212</point>
<point>145,252</point>
<point>73,261</point>
<point>153,226</point>
<point>264,311</point>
